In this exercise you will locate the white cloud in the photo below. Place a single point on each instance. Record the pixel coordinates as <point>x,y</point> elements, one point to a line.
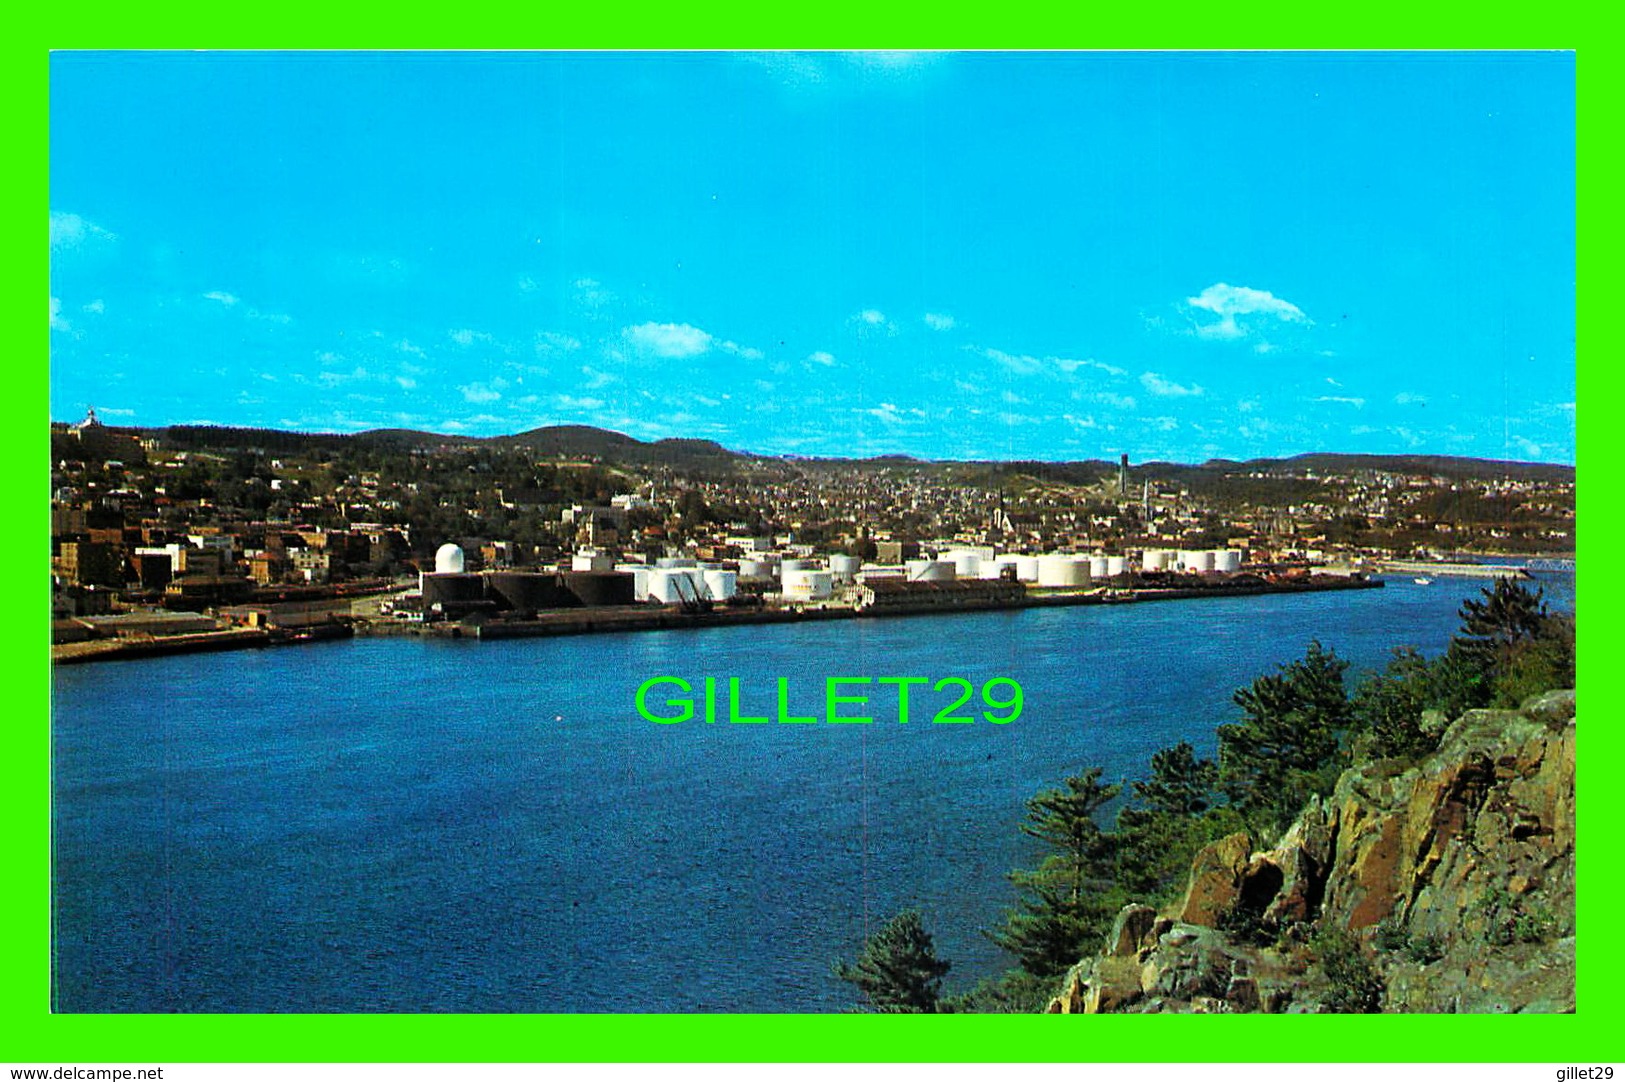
<point>569,402</point>
<point>669,339</point>
<point>1406,398</point>
<point>939,321</point>
<point>1163,424</point>
<point>406,382</point>
<point>550,341</point>
<point>230,300</point>
<point>820,357</point>
<point>591,293</point>
<point>407,347</point>
<point>1067,364</point>
<point>463,336</point>
<point>71,231</point>
<point>1357,403</point>
<point>747,352</point>
<point>480,393</point>
<point>596,379</point>
<point>95,307</point>
<point>1232,304</point>
<point>1117,401</point>
<point>1167,388</point>
<point>874,320</point>
<point>57,322</point>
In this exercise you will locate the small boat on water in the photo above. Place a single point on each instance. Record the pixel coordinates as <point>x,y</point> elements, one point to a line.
<point>1423,581</point>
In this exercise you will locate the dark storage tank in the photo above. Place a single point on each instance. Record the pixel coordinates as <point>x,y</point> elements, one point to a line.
<point>598,588</point>
<point>528,591</point>
<point>451,587</point>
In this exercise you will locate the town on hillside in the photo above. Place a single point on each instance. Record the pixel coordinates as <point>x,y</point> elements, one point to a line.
<point>187,532</point>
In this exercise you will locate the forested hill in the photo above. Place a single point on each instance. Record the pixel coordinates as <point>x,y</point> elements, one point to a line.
<point>586,441</point>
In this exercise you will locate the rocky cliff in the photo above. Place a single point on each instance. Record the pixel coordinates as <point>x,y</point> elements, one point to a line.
<point>1440,886</point>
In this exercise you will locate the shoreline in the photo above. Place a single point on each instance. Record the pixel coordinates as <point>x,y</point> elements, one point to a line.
<point>645,618</point>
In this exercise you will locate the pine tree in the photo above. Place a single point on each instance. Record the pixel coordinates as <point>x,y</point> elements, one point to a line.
<point>1290,743</point>
<point>1181,784</point>
<point>898,971</point>
<point>1068,898</point>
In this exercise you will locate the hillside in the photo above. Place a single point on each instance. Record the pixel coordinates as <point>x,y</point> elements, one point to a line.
<point>1444,887</point>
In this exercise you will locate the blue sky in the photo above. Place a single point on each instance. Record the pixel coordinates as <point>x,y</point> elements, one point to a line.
<point>1056,256</point>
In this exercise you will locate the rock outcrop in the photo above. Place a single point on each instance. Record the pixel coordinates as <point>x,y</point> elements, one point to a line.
<point>1451,881</point>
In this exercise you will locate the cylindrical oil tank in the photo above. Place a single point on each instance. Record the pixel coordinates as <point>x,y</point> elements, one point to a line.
<point>929,571</point>
<point>967,565</point>
<point>1063,571</point>
<point>598,588</point>
<point>1097,567</point>
<point>640,579</point>
<point>796,564</point>
<point>668,562</point>
<point>1154,560</point>
<point>663,587</point>
<point>1027,568</point>
<point>452,586</point>
<point>1116,565</point>
<point>807,584</point>
<point>1227,560</point>
<point>755,569</point>
<point>592,561</point>
<point>844,567</point>
<point>721,584</point>
<point>527,591</point>
<point>1198,562</point>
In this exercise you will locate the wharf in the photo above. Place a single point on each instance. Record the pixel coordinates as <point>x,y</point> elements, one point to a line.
<point>640,618</point>
<point>1453,570</point>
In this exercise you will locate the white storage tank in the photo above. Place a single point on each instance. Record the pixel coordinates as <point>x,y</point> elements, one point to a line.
<point>1027,568</point>
<point>1063,571</point>
<point>967,565</point>
<point>796,564</point>
<point>721,584</point>
<point>755,569</point>
<point>592,561</point>
<point>844,567</point>
<point>1154,560</point>
<point>1116,565</point>
<point>664,587</point>
<point>669,562</point>
<point>640,579</point>
<point>807,584</point>
<point>1227,560</point>
<point>1097,566</point>
<point>1198,562</point>
<point>929,571</point>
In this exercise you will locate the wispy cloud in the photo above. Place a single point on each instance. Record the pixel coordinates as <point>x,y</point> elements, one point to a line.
<point>1167,388</point>
<point>1023,364</point>
<point>939,321</point>
<point>820,357</point>
<point>675,340</point>
<point>465,337</point>
<point>1357,403</point>
<point>1242,311</point>
<point>482,393</point>
<point>230,300</point>
<point>72,231</point>
<point>95,307</point>
<point>57,322</point>
<point>1406,398</point>
<point>873,321</point>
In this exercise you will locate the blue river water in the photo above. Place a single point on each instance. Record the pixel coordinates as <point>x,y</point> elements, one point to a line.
<point>414,825</point>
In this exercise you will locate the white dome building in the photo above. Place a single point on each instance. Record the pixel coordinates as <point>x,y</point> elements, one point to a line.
<point>448,560</point>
